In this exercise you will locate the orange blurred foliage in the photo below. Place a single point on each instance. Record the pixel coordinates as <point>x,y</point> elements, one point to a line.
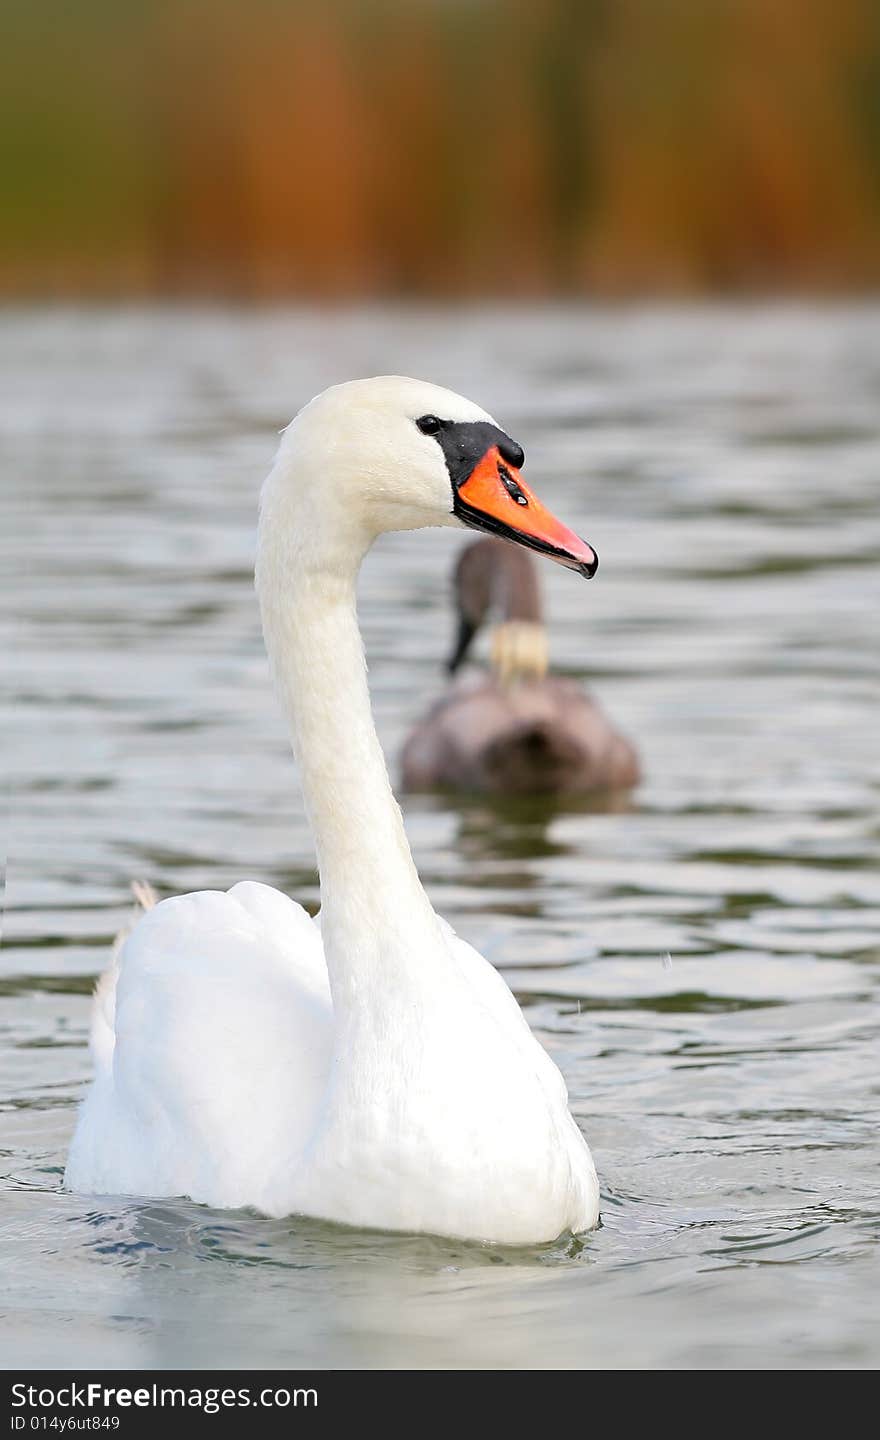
<point>441,147</point>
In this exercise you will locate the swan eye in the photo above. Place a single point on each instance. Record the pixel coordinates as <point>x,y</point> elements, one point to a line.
<point>511,486</point>
<point>428,424</point>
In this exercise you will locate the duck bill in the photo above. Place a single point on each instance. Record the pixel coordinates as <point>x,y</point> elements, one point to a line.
<point>496,499</point>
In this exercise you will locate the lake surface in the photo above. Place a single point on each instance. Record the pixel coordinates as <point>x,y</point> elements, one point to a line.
<point>726,465</point>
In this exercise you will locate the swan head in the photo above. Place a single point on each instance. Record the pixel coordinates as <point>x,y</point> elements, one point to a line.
<point>390,453</point>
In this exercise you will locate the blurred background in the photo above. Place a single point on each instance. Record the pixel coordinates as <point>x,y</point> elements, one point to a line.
<point>439,147</point>
<point>645,234</point>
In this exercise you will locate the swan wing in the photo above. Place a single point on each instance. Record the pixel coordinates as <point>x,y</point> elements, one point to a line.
<point>211,1041</point>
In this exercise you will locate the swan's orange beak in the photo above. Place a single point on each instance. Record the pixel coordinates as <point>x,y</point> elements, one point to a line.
<point>494,497</point>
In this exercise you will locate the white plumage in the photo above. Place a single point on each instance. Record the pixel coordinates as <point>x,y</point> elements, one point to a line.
<point>369,1066</point>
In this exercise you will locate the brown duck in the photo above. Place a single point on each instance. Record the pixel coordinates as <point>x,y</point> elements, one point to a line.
<point>516,729</point>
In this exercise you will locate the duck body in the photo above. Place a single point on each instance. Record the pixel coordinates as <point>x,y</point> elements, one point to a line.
<point>541,735</point>
<point>515,729</point>
<point>367,1066</point>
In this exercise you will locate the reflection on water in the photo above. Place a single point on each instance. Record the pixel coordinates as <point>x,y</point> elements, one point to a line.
<point>726,465</point>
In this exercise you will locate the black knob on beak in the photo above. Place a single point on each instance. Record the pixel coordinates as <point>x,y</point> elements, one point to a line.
<point>512,453</point>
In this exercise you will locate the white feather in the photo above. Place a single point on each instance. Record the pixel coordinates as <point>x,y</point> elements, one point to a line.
<point>371,1068</point>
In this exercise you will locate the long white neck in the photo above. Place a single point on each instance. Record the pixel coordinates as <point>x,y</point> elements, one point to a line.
<point>371,896</point>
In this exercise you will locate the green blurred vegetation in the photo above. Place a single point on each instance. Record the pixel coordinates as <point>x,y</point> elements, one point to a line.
<point>261,147</point>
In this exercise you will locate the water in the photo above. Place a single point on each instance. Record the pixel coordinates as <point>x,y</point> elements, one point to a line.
<point>727,467</point>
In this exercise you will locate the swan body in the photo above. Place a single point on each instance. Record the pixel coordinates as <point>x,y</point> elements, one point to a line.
<point>515,730</point>
<point>366,1067</point>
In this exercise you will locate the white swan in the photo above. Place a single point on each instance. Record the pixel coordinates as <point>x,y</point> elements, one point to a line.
<point>369,1068</point>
